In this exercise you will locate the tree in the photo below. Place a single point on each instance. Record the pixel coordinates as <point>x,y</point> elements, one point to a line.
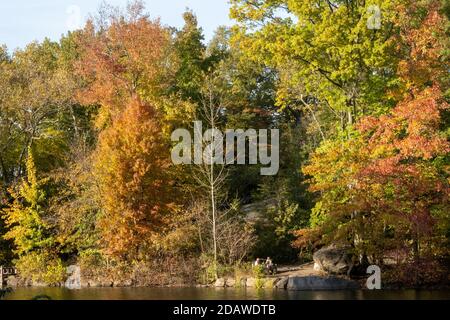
<point>31,231</point>
<point>35,97</point>
<point>387,178</point>
<point>190,60</point>
<point>7,137</point>
<point>25,217</point>
<point>36,109</point>
<point>225,237</point>
<point>384,191</point>
<point>325,50</point>
<point>121,59</point>
<point>247,94</point>
<point>210,175</point>
<point>131,165</point>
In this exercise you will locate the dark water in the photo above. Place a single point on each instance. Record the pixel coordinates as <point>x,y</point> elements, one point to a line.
<point>218,294</point>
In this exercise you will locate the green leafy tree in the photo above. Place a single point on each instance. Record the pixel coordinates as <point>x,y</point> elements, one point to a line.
<point>189,55</point>
<point>323,50</point>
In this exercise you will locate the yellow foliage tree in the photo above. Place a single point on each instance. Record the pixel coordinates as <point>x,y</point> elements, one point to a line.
<point>24,217</point>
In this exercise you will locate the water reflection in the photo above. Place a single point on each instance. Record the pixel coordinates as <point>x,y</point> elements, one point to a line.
<point>219,294</point>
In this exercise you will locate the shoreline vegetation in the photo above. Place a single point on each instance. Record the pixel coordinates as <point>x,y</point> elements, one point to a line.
<point>290,277</point>
<point>362,111</point>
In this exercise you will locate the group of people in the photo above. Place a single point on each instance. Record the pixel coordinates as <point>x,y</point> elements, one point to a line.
<point>269,266</point>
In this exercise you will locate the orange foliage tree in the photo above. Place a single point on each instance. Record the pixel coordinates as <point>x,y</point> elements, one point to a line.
<point>121,58</point>
<point>131,166</point>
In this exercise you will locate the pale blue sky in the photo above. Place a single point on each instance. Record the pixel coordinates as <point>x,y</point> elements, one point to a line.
<point>22,21</point>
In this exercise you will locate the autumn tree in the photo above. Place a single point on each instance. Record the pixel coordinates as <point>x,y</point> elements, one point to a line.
<point>25,216</point>
<point>388,174</point>
<point>131,166</point>
<point>122,62</point>
<point>37,109</point>
<point>385,190</point>
<point>30,229</point>
<point>35,98</point>
<point>226,237</point>
<point>121,58</point>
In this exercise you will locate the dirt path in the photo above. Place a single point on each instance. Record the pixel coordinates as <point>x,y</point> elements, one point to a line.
<point>298,270</point>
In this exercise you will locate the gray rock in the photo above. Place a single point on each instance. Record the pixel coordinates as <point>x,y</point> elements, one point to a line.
<point>320,283</point>
<point>39,284</point>
<point>12,281</point>
<point>333,260</point>
<point>254,212</point>
<point>100,283</point>
<point>251,283</point>
<point>230,282</point>
<point>282,283</point>
<point>84,283</point>
<point>123,283</point>
<point>221,282</point>
<point>272,282</point>
<point>107,284</point>
<point>93,284</point>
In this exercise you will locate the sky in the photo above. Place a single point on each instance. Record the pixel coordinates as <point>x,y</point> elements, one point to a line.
<point>23,21</point>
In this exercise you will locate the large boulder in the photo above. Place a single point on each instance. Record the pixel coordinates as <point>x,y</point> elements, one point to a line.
<point>254,212</point>
<point>282,283</point>
<point>333,260</point>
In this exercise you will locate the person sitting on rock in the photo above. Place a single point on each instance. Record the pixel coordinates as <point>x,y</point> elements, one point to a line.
<point>270,266</point>
<point>257,262</point>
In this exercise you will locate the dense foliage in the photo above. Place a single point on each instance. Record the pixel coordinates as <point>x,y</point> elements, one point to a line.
<point>362,108</point>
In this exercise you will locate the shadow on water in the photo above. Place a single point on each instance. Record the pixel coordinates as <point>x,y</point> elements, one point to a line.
<point>219,294</point>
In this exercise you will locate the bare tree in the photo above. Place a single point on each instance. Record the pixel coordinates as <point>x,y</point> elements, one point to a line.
<point>211,172</point>
<point>230,237</point>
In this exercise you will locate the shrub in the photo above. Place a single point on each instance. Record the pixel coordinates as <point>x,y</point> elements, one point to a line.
<point>41,267</point>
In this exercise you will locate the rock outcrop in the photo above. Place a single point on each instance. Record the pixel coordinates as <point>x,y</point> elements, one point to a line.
<point>333,260</point>
<point>282,283</point>
<point>221,282</point>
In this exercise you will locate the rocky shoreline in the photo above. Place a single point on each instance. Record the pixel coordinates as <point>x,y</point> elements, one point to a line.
<point>282,283</point>
<point>303,277</point>
<point>329,271</point>
<point>296,283</point>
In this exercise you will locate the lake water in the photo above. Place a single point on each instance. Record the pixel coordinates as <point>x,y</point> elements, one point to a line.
<point>219,294</point>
